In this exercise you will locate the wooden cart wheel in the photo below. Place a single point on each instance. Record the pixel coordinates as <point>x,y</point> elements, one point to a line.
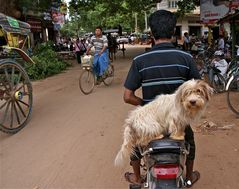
<point>15,96</point>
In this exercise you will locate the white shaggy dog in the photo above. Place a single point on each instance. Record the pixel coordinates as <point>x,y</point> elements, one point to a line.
<point>166,115</point>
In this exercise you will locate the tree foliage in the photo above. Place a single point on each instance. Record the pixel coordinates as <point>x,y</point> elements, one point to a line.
<point>47,62</point>
<point>34,5</point>
<point>111,13</point>
<point>186,6</point>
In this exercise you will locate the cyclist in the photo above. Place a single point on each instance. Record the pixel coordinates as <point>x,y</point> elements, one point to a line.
<point>101,60</point>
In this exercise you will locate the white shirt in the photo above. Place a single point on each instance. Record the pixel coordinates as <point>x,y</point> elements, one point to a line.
<point>221,65</point>
<point>221,43</point>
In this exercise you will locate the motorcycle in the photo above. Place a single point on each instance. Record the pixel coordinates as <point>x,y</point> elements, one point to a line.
<point>164,162</point>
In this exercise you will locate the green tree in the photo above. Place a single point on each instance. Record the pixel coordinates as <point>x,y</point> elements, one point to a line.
<point>186,6</point>
<point>69,29</point>
<point>110,13</point>
<point>34,5</point>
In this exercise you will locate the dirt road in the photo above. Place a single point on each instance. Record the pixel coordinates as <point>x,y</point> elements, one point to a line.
<point>72,139</point>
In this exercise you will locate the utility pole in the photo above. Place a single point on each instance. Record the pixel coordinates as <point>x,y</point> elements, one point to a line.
<point>146,20</point>
<point>136,23</point>
<point>158,6</point>
<point>77,19</point>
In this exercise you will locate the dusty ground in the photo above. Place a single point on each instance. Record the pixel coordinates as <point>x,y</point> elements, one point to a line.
<point>72,139</point>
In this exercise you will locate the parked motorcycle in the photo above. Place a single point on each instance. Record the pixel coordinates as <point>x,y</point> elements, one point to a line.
<point>164,164</point>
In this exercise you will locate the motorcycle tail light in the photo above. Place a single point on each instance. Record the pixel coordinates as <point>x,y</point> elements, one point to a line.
<point>168,171</point>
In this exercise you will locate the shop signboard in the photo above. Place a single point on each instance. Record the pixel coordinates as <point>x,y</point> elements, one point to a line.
<point>58,20</point>
<point>234,4</point>
<point>36,25</point>
<point>213,10</point>
<point>58,12</point>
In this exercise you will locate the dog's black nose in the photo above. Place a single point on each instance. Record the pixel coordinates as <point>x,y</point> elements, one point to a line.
<point>193,102</point>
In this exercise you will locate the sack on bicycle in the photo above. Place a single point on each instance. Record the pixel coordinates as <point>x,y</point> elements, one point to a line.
<point>87,60</point>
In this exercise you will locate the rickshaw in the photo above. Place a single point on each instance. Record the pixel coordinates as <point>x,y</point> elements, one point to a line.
<point>15,85</point>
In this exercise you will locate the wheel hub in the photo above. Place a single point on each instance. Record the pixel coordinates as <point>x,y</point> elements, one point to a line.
<point>18,95</point>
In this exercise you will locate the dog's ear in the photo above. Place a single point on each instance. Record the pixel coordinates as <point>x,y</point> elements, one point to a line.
<point>179,94</point>
<point>207,90</point>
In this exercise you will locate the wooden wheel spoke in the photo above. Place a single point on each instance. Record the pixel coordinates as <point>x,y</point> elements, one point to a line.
<point>13,76</point>
<point>1,94</point>
<point>11,123</point>
<point>20,108</point>
<point>24,103</point>
<point>19,88</point>
<point>7,76</point>
<point>5,113</point>
<point>25,93</point>
<point>3,105</point>
<point>16,113</point>
<point>5,86</point>
<point>18,80</point>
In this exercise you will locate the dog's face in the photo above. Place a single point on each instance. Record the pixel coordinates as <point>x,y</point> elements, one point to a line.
<point>194,95</point>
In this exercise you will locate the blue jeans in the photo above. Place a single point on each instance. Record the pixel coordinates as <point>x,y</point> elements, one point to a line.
<point>100,63</point>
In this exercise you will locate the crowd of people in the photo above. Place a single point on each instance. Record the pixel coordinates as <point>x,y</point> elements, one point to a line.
<point>80,45</point>
<point>218,53</point>
<point>192,42</point>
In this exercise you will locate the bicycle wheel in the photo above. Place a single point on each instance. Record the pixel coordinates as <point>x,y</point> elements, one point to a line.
<point>233,95</point>
<point>109,76</point>
<point>15,97</point>
<point>87,81</point>
<point>218,83</point>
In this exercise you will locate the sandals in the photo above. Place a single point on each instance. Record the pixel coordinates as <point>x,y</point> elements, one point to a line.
<point>129,178</point>
<point>195,178</point>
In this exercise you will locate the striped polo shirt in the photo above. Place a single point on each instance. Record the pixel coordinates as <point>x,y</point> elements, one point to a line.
<point>98,43</point>
<point>160,71</point>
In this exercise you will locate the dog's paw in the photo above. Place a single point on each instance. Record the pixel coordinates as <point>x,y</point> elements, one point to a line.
<point>177,137</point>
<point>159,137</point>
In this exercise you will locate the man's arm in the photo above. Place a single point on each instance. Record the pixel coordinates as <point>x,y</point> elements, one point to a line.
<point>102,50</point>
<point>91,44</point>
<point>131,98</point>
<point>88,50</point>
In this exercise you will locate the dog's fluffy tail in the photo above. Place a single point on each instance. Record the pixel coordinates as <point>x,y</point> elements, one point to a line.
<point>126,148</point>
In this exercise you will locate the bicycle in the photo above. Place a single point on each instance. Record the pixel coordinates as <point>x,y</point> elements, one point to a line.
<point>87,80</point>
<point>232,89</point>
<point>216,80</point>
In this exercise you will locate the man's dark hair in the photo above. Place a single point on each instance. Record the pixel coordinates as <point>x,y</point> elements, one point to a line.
<point>162,24</point>
<point>99,27</point>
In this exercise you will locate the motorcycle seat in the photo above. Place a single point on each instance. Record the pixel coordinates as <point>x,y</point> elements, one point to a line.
<point>167,146</point>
